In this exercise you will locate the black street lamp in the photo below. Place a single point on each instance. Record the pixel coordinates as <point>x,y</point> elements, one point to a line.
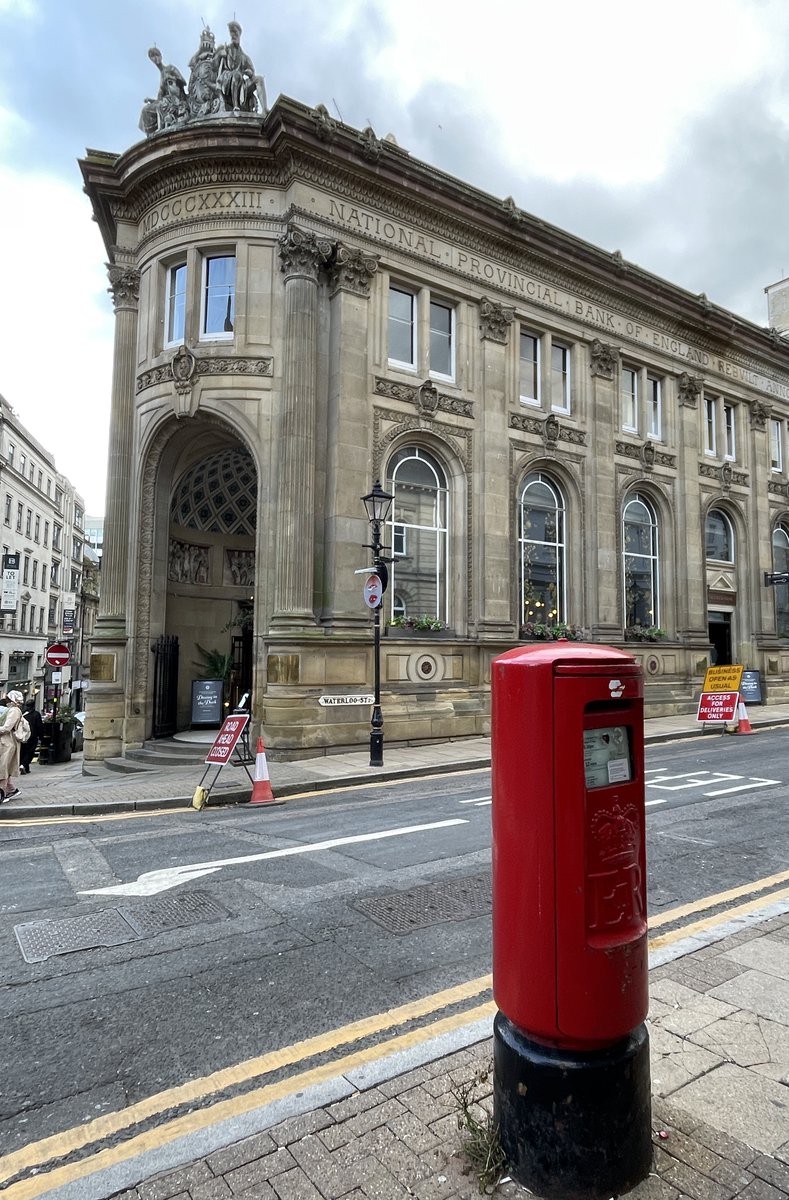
<point>377,504</point>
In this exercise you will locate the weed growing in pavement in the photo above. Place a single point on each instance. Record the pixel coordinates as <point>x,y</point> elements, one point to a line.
<point>480,1136</point>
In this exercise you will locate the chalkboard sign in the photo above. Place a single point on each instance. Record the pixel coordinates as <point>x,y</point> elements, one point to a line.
<point>207,701</point>
<point>751,687</point>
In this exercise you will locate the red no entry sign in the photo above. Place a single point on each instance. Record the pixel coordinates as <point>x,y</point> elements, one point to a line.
<point>58,654</point>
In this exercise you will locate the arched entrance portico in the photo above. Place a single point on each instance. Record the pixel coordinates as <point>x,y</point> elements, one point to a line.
<point>199,538</point>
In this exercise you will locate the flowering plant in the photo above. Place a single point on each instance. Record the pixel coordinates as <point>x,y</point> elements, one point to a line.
<point>541,631</point>
<point>644,633</point>
<point>423,623</point>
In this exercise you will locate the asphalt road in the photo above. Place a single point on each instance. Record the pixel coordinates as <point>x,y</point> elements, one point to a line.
<point>243,931</point>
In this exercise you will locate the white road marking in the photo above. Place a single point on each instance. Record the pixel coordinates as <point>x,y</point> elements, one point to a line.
<point>692,780</point>
<point>153,882</point>
<point>479,801</point>
<point>744,787</point>
<point>650,803</point>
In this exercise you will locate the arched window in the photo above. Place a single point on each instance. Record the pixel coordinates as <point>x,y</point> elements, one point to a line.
<point>541,548</point>
<point>418,521</point>
<point>640,563</point>
<point>719,536</point>
<point>781,563</point>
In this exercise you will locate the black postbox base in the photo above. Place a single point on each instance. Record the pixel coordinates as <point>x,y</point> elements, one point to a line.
<point>574,1125</point>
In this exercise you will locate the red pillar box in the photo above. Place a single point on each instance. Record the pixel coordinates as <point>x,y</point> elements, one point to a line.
<point>570,960</point>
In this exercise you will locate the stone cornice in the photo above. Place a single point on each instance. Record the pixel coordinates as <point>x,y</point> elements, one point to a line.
<point>425,397</point>
<point>291,143</point>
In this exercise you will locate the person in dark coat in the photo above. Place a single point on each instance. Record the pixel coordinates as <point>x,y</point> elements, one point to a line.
<point>28,748</point>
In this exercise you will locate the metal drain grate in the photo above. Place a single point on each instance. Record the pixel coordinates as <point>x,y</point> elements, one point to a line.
<point>150,917</point>
<point>40,940</point>
<point>458,899</point>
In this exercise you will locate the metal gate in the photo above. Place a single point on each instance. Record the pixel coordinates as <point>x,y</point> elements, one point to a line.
<point>165,686</point>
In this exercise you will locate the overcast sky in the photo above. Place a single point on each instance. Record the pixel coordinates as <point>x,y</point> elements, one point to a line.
<point>660,130</point>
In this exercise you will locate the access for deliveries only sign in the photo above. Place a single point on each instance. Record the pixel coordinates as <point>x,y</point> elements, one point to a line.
<point>718,701</point>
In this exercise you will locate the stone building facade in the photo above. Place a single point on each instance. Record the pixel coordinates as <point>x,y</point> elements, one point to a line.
<point>43,524</point>
<point>573,444</point>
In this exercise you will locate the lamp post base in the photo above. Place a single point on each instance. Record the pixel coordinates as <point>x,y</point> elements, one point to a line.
<point>376,749</point>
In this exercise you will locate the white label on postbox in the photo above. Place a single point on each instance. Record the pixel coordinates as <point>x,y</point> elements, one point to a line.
<point>607,756</point>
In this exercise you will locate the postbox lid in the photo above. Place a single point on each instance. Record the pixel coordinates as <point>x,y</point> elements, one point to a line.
<point>570,654</point>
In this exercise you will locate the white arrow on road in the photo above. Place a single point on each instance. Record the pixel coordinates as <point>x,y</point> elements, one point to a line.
<point>152,882</point>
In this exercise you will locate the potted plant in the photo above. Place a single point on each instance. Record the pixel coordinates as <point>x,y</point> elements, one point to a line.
<point>542,631</point>
<point>423,624</point>
<point>644,633</point>
<point>57,736</point>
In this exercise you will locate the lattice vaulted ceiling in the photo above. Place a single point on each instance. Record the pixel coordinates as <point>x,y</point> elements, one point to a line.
<point>218,495</point>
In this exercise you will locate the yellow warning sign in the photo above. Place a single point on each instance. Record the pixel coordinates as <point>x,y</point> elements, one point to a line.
<point>723,679</point>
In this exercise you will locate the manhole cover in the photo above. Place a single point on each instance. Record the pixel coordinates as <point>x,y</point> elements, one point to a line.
<point>150,917</point>
<point>458,899</point>
<point>39,940</point>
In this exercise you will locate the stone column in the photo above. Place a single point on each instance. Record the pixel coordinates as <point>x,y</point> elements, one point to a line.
<point>302,254</point>
<point>109,642</point>
<point>348,459</point>
<point>491,484</point>
<point>691,583</point>
<point>601,503</point>
<point>759,548</point>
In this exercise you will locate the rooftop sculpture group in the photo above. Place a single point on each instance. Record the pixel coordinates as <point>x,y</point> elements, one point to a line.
<point>222,82</point>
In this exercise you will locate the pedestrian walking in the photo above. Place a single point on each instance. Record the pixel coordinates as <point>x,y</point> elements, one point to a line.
<point>10,746</point>
<point>29,748</point>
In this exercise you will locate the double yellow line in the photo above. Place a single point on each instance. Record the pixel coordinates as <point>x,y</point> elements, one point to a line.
<point>36,1155</point>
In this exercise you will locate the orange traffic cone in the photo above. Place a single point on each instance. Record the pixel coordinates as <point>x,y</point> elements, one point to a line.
<point>261,784</point>
<point>743,724</point>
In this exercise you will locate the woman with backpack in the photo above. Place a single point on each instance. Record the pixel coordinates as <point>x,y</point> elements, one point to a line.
<point>11,744</point>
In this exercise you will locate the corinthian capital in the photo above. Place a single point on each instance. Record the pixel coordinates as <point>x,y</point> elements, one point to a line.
<point>303,253</point>
<point>124,286</point>
<point>495,320</point>
<point>353,270</point>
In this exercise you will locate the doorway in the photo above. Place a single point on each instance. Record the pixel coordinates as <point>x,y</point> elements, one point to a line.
<point>719,626</point>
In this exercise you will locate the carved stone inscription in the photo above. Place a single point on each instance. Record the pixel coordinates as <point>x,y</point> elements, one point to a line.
<point>102,668</point>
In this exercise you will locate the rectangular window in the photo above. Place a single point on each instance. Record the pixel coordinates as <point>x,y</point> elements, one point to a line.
<point>20,514</point>
<point>530,369</point>
<point>402,327</point>
<point>76,549</point>
<point>34,580</point>
<point>710,417</point>
<point>776,446</point>
<point>730,431</point>
<point>79,517</point>
<point>29,523</point>
<point>442,341</point>
<point>399,540</point>
<point>630,399</point>
<point>32,625</point>
<point>8,503</point>
<point>37,534</point>
<point>41,619</point>
<point>57,531</point>
<point>23,618</point>
<point>40,483</point>
<point>49,487</point>
<point>46,533</point>
<point>654,408</point>
<point>219,297</point>
<point>22,463</point>
<point>74,581</point>
<point>43,577</point>
<point>175,305</point>
<point>54,575</point>
<point>26,570</point>
<point>10,454</point>
<point>31,472</point>
<point>53,612</point>
<point>560,377</point>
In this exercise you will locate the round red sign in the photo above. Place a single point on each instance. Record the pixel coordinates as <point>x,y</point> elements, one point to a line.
<point>57,655</point>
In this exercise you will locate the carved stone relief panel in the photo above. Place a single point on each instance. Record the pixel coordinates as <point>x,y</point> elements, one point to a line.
<point>187,563</point>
